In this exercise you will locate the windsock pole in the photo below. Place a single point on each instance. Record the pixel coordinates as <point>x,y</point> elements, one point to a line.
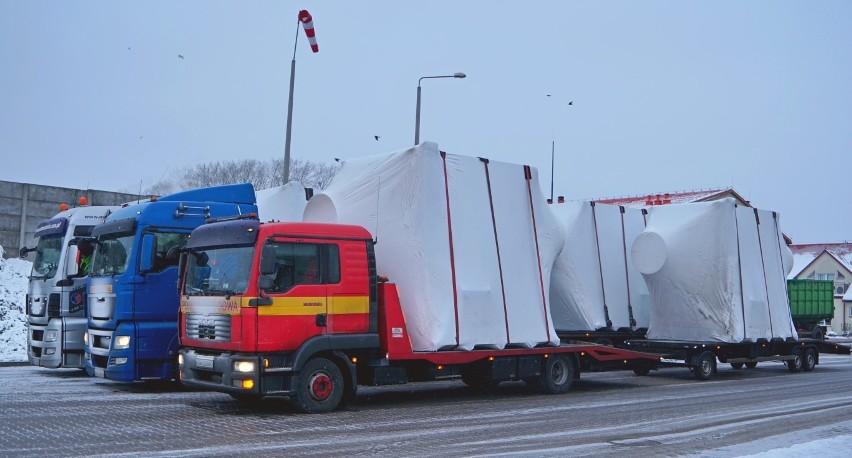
<point>308,24</point>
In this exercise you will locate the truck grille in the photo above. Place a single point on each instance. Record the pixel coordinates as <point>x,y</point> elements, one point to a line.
<point>53,305</point>
<point>212,327</point>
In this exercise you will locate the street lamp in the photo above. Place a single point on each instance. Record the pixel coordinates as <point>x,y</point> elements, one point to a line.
<point>553,155</point>
<point>417,118</point>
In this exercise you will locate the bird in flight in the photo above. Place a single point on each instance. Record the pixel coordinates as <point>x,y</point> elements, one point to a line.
<point>571,103</point>
<point>180,56</point>
<point>376,137</point>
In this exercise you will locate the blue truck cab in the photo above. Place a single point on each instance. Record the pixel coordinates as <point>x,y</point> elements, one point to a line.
<point>133,285</point>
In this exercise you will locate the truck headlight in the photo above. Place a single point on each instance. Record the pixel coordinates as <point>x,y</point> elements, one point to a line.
<point>122,342</point>
<point>180,359</point>
<point>86,338</point>
<point>50,335</point>
<point>244,366</point>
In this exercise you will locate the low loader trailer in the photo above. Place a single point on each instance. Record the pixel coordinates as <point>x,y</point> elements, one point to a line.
<point>297,310</point>
<point>701,357</point>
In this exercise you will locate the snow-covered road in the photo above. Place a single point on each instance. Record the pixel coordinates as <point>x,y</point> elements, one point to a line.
<point>745,412</point>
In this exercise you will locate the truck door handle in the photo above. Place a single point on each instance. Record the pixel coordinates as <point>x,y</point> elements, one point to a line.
<point>101,299</point>
<point>321,319</point>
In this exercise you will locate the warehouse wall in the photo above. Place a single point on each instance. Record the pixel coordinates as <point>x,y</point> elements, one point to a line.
<point>24,205</point>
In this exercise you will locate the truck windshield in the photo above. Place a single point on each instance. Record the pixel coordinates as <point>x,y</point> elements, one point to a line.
<point>218,271</point>
<point>111,255</point>
<point>48,251</point>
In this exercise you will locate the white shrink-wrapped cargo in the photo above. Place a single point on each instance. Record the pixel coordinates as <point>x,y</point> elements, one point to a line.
<point>469,242</point>
<point>715,272</point>
<point>282,203</point>
<point>594,285</point>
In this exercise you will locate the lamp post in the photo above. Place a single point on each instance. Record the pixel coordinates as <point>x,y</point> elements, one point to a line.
<point>553,153</point>
<point>417,117</point>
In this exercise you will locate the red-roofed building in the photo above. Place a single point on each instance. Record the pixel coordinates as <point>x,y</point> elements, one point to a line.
<point>682,197</point>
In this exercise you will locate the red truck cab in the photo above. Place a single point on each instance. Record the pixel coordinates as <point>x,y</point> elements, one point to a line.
<point>298,310</point>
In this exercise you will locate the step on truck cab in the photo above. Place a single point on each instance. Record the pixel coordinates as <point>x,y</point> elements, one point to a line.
<point>132,290</point>
<point>298,310</point>
<point>56,296</point>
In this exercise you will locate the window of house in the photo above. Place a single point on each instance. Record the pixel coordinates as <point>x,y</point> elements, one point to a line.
<point>825,277</point>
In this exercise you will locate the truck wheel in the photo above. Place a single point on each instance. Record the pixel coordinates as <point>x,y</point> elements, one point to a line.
<point>319,387</point>
<point>809,361</point>
<point>751,364</point>
<point>557,376</point>
<point>795,364</point>
<point>818,334</point>
<point>737,365</point>
<point>705,365</point>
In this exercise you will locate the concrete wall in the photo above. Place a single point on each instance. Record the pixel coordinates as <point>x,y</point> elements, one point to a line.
<point>24,205</point>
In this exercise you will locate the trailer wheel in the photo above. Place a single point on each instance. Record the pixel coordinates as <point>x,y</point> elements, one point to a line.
<point>557,376</point>
<point>737,365</point>
<point>319,387</point>
<point>818,333</point>
<point>642,371</point>
<point>795,364</point>
<point>705,366</point>
<point>809,361</point>
<point>475,378</point>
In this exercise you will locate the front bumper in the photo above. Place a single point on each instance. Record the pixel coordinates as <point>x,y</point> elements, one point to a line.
<point>215,372</point>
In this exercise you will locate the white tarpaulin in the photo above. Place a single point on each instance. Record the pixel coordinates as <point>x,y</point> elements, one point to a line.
<point>282,203</point>
<point>594,286</point>
<point>469,242</point>
<point>715,272</point>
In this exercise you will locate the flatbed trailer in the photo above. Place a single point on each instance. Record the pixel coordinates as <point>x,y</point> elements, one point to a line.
<point>601,337</point>
<point>701,357</point>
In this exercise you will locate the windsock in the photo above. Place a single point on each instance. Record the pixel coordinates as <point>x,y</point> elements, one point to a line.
<point>308,24</point>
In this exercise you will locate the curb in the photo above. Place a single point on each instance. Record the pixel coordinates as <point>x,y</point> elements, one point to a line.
<point>13,363</point>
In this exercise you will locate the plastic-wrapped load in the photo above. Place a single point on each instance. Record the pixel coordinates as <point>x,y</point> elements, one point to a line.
<point>282,203</point>
<point>594,285</point>
<point>715,272</point>
<point>469,242</point>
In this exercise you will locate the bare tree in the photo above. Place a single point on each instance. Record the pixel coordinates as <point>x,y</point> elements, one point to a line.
<point>262,174</point>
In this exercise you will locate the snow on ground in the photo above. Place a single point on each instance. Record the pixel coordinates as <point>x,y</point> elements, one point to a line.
<point>834,442</point>
<point>13,319</point>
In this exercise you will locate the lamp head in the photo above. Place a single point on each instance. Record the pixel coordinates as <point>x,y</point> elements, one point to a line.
<point>459,75</point>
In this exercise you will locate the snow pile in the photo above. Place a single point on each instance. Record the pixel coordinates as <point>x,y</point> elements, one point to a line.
<point>13,319</point>
<point>469,242</point>
<point>716,272</point>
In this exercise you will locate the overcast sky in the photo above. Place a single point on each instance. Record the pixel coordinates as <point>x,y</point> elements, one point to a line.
<point>667,96</point>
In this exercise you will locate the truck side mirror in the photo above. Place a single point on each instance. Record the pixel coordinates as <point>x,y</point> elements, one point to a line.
<point>267,260</point>
<point>71,267</point>
<point>24,251</point>
<point>265,283</point>
<point>182,260</point>
<point>149,251</point>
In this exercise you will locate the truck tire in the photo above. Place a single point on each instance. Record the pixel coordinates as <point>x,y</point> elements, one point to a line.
<point>557,375</point>
<point>737,365</point>
<point>751,364</point>
<point>705,366</point>
<point>809,361</point>
<point>818,334</point>
<point>319,387</point>
<point>795,364</point>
